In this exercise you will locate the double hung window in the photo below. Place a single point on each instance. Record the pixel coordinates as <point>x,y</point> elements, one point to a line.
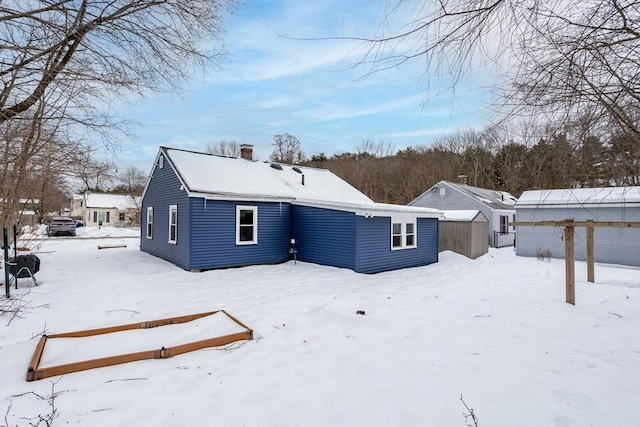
<point>150,222</point>
<point>246,225</point>
<point>173,224</point>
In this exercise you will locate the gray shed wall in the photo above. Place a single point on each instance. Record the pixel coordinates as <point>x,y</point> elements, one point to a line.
<point>611,245</point>
<point>464,237</point>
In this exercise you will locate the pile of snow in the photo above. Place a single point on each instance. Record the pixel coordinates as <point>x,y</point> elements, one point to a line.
<point>33,231</point>
<point>495,330</point>
<point>106,231</point>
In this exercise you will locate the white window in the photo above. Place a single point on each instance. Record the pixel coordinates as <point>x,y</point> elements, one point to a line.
<point>396,235</point>
<point>410,235</point>
<point>403,235</point>
<point>161,162</point>
<point>150,222</point>
<point>173,224</point>
<point>246,225</point>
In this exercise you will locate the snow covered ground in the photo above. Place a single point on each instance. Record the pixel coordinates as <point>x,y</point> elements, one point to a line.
<point>495,330</point>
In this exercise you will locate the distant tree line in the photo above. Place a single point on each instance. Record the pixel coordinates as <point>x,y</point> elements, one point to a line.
<point>512,159</point>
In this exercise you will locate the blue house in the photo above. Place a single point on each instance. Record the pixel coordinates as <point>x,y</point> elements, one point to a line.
<point>201,211</point>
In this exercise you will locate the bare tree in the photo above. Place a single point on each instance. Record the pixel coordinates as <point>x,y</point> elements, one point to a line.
<point>287,149</point>
<point>31,158</point>
<point>375,149</point>
<point>560,58</point>
<point>119,46</point>
<point>224,148</point>
<point>133,180</point>
<point>94,175</point>
<point>62,62</point>
<point>475,155</point>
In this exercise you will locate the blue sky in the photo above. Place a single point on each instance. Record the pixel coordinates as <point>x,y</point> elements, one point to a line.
<point>271,82</point>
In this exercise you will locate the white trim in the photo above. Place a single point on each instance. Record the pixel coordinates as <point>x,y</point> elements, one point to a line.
<point>149,232</point>
<point>373,209</point>
<point>404,221</point>
<point>254,209</point>
<point>173,208</point>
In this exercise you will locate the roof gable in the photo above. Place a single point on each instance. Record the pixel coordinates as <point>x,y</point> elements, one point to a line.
<point>493,199</point>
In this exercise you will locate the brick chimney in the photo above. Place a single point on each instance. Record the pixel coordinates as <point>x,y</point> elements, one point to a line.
<point>246,151</point>
<point>462,179</point>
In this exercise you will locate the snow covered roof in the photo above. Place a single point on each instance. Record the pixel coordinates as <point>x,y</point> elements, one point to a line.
<point>229,177</point>
<point>111,201</point>
<point>492,198</point>
<point>627,196</point>
<point>24,201</point>
<point>461,215</point>
<point>216,177</point>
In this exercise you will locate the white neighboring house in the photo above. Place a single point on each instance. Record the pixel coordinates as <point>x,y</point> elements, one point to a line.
<point>116,210</point>
<point>611,245</point>
<point>497,206</point>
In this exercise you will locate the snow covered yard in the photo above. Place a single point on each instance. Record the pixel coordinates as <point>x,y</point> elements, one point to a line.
<point>495,330</point>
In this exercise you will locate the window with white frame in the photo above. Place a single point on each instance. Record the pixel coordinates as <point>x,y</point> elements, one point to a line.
<point>246,225</point>
<point>150,222</point>
<point>173,224</point>
<point>403,234</point>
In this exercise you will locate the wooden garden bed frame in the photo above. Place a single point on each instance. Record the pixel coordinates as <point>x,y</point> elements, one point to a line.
<point>34,372</point>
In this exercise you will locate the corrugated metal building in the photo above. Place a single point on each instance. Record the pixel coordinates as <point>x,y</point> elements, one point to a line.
<point>612,245</point>
<point>202,211</point>
<point>464,232</point>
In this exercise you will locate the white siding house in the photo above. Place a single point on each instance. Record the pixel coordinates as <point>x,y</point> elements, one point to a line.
<point>496,206</point>
<point>116,210</point>
<point>612,245</point>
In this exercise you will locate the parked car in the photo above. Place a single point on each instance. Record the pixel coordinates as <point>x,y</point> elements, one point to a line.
<point>79,223</point>
<point>61,225</point>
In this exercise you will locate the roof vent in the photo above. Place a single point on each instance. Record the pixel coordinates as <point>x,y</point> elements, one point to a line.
<point>297,169</point>
<point>276,166</point>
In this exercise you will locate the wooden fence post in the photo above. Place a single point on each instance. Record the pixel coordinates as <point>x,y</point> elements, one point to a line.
<point>590,254</point>
<point>569,262</point>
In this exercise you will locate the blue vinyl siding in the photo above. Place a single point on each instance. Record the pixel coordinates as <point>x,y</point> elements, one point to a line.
<point>213,234</point>
<point>374,246</point>
<point>325,236</point>
<point>162,191</point>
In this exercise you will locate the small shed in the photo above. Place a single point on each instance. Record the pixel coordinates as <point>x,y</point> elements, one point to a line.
<point>611,245</point>
<point>464,232</point>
